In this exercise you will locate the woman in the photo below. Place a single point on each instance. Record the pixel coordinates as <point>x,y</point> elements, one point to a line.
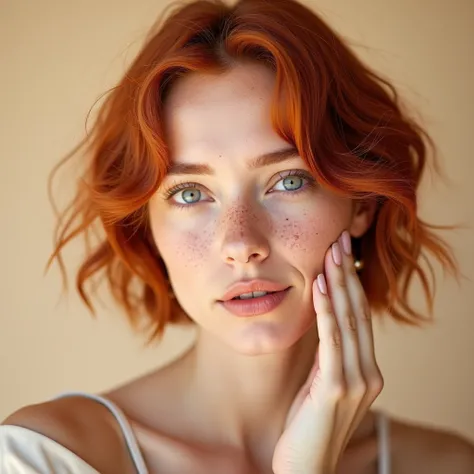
<point>255,179</point>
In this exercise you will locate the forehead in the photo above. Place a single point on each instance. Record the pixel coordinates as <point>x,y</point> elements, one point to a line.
<point>200,90</point>
<point>221,114</point>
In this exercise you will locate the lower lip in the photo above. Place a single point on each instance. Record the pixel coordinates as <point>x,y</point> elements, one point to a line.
<point>255,306</point>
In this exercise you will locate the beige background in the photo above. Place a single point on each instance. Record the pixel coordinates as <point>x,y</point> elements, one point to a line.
<point>57,57</point>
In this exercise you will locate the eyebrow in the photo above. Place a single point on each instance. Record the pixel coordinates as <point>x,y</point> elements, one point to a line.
<point>266,159</point>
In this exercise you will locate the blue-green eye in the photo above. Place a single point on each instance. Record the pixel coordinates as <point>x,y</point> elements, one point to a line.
<point>294,182</point>
<point>291,183</point>
<point>191,195</point>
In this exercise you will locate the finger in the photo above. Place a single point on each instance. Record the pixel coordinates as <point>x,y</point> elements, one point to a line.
<point>363,321</point>
<point>345,318</point>
<point>330,357</point>
<point>368,365</point>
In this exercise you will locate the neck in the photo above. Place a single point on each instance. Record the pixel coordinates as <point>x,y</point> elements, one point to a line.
<point>244,399</point>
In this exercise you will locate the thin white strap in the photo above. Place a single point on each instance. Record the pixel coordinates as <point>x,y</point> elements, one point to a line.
<point>130,439</point>
<point>383,436</point>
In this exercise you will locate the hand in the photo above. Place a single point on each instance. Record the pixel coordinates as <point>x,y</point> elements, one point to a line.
<point>345,378</point>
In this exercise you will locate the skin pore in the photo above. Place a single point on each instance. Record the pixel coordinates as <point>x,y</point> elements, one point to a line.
<point>242,223</point>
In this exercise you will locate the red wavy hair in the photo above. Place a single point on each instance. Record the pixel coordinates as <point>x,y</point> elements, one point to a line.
<point>345,120</point>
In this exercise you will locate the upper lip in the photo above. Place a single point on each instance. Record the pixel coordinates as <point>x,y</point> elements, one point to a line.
<point>247,286</point>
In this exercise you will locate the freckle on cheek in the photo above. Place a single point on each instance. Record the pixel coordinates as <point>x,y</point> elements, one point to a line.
<point>194,247</point>
<point>300,236</point>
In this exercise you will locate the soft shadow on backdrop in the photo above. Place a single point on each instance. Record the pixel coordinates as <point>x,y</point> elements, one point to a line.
<point>56,60</point>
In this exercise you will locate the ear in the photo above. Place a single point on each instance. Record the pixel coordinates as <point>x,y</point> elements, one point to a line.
<point>362,217</point>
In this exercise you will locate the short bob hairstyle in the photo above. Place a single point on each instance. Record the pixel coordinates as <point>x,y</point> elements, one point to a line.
<point>345,120</point>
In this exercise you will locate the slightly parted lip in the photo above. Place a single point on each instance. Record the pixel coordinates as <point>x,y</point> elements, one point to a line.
<point>247,286</point>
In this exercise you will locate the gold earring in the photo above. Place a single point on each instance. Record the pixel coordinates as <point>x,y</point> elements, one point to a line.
<point>359,265</point>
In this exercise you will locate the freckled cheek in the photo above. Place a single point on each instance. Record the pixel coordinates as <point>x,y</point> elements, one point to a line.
<point>184,249</point>
<point>303,240</point>
<point>307,240</point>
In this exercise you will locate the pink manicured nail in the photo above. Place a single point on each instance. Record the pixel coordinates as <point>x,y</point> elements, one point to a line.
<point>322,284</point>
<point>336,254</point>
<point>346,243</point>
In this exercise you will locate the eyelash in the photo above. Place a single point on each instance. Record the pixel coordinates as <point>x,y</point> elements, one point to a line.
<point>170,192</point>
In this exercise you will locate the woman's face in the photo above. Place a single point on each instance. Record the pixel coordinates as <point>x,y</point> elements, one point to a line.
<point>236,221</point>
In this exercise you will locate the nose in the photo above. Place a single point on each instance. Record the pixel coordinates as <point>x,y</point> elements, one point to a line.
<point>243,239</point>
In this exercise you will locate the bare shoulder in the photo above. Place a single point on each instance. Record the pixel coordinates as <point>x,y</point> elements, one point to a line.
<point>81,425</point>
<point>421,448</point>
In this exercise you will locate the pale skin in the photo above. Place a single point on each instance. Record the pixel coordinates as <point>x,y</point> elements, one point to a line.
<point>345,378</point>
<point>239,400</point>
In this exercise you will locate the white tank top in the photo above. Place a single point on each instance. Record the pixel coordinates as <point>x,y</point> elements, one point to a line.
<point>24,450</point>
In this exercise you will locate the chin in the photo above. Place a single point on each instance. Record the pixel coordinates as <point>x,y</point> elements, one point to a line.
<point>267,337</point>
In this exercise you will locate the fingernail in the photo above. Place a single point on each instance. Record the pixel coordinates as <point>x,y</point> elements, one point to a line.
<point>322,284</point>
<point>336,254</point>
<point>346,242</point>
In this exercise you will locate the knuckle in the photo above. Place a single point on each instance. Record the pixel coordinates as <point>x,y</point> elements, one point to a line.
<point>351,269</point>
<point>365,314</point>
<point>359,388</point>
<point>316,385</point>
<point>340,280</point>
<point>337,391</point>
<point>328,309</point>
<point>376,383</point>
<point>318,380</point>
<point>336,340</point>
<point>350,322</point>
